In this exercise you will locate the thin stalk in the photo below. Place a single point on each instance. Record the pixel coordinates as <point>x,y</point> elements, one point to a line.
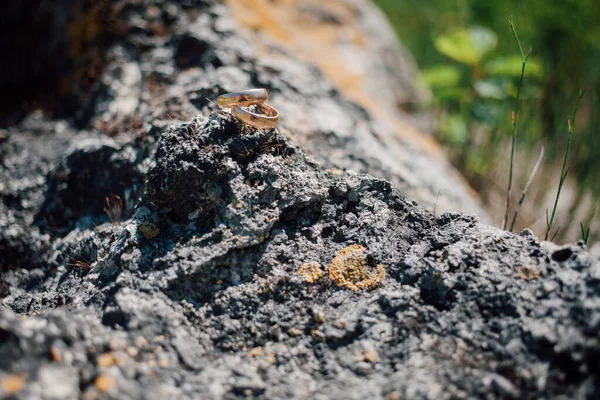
<point>563,173</point>
<point>585,235</point>
<point>535,168</point>
<point>515,113</point>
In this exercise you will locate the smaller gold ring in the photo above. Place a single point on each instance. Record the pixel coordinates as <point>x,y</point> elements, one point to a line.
<point>266,120</point>
<point>243,98</point>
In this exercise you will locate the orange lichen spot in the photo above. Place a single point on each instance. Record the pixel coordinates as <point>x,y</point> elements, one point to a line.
<point>311,271</point>
<point>349,269</point>
<point>270,356</point>
<point>12,384</point>
<point>318,335</point>
<point>105,360</point>
<point>105,383</point>
<point>369,355</point>
<point>255,352</point>
<point>239,204</point>
<point>55,354</point>
<point>131,351</point>
<point>528,273</point>
<point>319,317</point>
<point>294,332</point>
<point>149,231</point>
<point>393,396</point>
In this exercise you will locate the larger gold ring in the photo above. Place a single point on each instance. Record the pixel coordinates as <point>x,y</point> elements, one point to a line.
<point>243,98</point>
<point>267,119</point>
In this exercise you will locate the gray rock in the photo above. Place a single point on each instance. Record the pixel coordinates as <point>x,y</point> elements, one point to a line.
<point>195,291</point>
<point>214,305</point>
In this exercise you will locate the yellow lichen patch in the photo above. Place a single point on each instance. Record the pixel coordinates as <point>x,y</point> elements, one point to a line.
<point>319,317</point>
<point>105,382</point>
<point>294,332</point>
<point>369,355</point>
<point>393,396</point>
<point>12,384</point>
<point>131,351</point>
<point>105,360</point>
<point>318,335</point>
<point>311,271</point>
<point>163,363</point>
<point>270,356</point>
<point>255,352</point>
<point>528,273</point>
<point>349,269</point>
<point>239,204</point>
<point>149,230</point>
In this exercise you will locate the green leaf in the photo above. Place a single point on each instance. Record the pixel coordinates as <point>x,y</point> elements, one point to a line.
<point>511,66</point>
<point>442,76</point>
<point>451,94</point>
<point>467,46</point>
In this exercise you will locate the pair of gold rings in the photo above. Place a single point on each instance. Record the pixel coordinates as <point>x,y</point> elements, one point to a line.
<point>265,118</point>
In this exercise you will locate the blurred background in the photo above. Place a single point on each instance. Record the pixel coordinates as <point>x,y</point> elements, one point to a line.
<point>470,62</point>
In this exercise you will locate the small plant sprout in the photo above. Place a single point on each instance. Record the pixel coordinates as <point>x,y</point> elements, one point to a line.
<point>79,263</point>
<point>585,233</point>
<point>114,208</point>
<point>515,114</point>
<point>564,171</point>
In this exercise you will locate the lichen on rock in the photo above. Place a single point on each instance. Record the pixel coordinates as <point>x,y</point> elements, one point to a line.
<point>349,269</point>
<point>311,271</point>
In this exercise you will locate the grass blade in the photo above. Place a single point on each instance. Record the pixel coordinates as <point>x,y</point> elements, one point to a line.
<point>564,171</point>
<point>515,114</point>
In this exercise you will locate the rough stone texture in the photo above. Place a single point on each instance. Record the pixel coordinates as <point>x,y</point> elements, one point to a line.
<point>196,292</point>
<point>214,307</point>
<point>356,51</point>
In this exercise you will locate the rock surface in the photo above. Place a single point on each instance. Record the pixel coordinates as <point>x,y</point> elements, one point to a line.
<point>199,294</point>
<point>229,266</point>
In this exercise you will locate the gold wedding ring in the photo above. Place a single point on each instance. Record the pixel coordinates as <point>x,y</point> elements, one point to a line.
<point>266,117</point>
<point>244,98</point>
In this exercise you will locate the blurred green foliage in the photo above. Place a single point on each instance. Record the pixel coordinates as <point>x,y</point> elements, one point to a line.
<point>468,57</point>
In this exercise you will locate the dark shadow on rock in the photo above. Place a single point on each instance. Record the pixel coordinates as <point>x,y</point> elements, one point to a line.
<point>96,182</point>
